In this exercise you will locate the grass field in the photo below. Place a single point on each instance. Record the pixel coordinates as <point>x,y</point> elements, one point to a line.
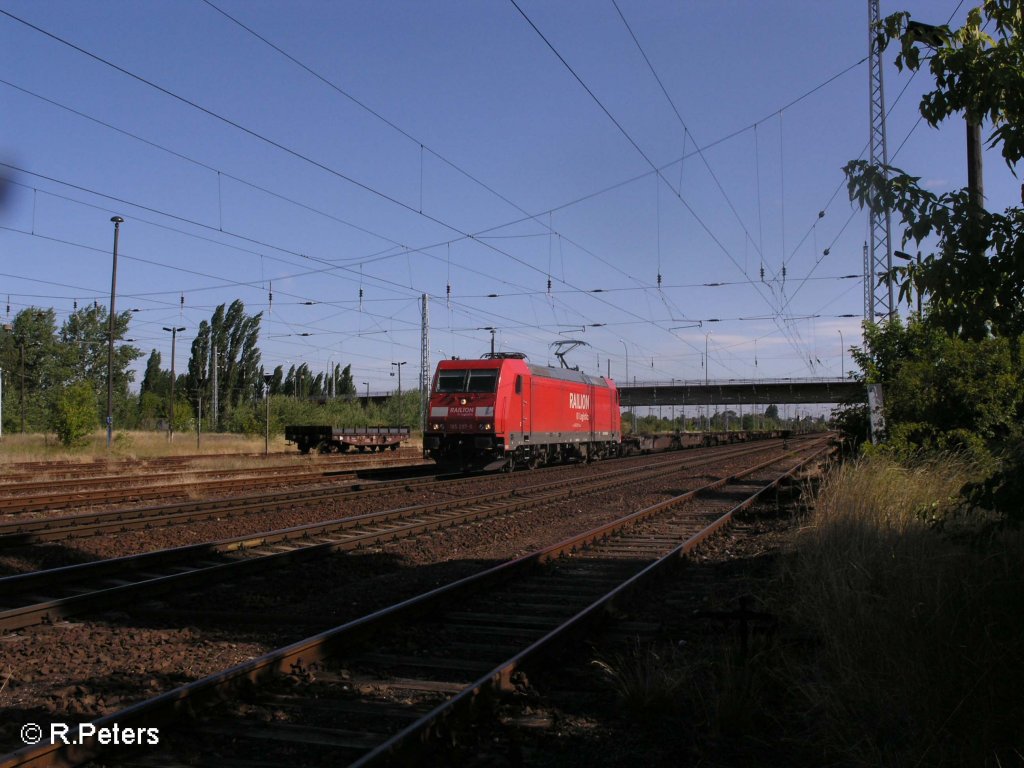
<point>38,447</point>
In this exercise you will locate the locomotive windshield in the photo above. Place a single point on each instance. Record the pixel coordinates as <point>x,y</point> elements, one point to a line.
<point>468,380</point>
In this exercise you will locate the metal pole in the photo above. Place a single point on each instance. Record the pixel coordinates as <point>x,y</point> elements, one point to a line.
<point>216,403</point>
<point>621,341</point>
<point>707,364</point>
<point>170,424</point>
<point>399,366</point>
<point>110,334</point>
<point>199,421</point>
<point>22,387</point>
<point>842,349</point>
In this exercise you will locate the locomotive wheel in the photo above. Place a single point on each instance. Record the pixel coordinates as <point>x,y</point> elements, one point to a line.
<point>394,446</point>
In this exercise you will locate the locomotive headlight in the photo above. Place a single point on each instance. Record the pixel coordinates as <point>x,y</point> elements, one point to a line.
<point>435,426</point>
<point>486,427</point>
<point>462,401</point>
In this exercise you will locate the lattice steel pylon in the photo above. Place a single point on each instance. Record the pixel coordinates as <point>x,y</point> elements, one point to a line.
<point>424,362</point>
<point>878,298</point>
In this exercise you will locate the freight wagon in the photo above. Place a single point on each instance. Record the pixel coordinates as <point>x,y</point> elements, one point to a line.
<point>501,411</point>
<point>325,439</point>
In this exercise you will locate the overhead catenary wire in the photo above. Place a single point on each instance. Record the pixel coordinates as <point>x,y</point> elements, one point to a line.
<point>220,225</point>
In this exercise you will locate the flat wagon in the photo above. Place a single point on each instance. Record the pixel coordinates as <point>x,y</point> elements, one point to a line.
<point>326,439</point>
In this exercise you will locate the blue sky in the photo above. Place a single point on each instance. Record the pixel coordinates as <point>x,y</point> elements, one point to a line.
<point>427,145</point>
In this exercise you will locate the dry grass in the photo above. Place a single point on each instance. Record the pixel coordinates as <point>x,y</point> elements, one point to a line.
<point>42,447</point>
<point>919,638</point>
<point>644,679</point>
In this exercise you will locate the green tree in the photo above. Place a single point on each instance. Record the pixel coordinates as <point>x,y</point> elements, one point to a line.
<point>33,367</point>
<point>277,383</point>
<point>229,341</point>
<point>943,392</point>
<point>974,277</point>
<point>84,355</point>
<point>346,383</point>
<point>155,381</point>
<point>74,414</point>
<point>939,393</point>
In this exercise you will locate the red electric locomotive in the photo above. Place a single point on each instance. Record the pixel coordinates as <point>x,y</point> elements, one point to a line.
<point>502,411</point>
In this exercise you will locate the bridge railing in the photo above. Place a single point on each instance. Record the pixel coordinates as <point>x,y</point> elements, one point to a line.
<point>740,382</point>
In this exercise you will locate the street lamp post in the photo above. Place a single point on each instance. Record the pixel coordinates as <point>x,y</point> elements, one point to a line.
<point>621,341</point>
<point>399,365</point>
<point>267,378</point>
<point>170,423</point>
<point>367,394</point>
<point>842,350</point>
<point>22,348</point>
<point>707,364</point>
<point>675,428</point>
<point>110,334</point>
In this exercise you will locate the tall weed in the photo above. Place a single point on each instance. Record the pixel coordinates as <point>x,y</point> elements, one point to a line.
<point>918,635</point>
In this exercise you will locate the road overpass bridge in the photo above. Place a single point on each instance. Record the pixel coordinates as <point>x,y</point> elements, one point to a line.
<point>741,391</point>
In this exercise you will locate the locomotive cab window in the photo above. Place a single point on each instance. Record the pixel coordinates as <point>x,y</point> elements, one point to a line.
<point>483,381</point>
<point>451,381</point>
<point>468,381</point>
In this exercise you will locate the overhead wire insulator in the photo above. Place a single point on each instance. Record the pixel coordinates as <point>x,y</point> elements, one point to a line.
<point>659,281</point>
<point>762,273</point>
<point>360,299</point>
<point>549,286</point>
<point>270,296</point>
<point>783,273</point>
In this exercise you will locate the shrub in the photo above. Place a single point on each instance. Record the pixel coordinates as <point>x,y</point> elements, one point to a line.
<point>74,416</point>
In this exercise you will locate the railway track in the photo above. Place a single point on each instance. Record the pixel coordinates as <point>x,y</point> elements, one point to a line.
<point>27,471</point>
<point>377,689</point>
<point>21,498</point>
<point>35,530</point>
<point>44,596</point>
